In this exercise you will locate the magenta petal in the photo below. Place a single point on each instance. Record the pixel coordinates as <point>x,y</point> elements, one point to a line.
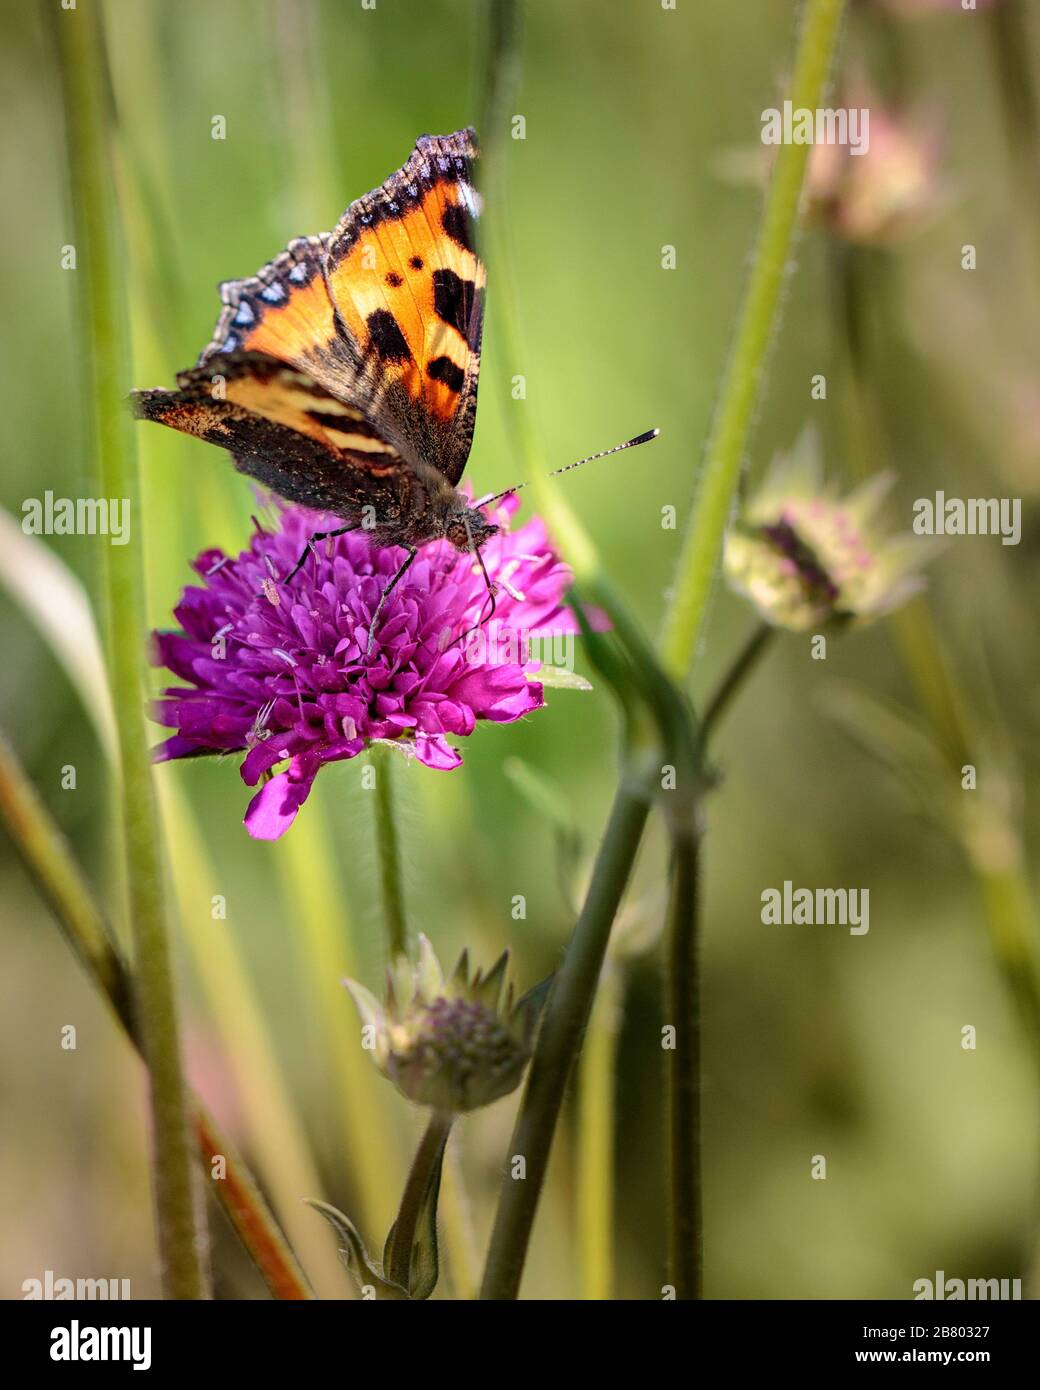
<point>282,670</point>
<point>178,747</point>
<point>260,760</point>
<point>434,751</point>
<point>275,806</point>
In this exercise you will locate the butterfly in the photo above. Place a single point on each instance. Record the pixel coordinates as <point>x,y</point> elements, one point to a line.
<point>343,375</point>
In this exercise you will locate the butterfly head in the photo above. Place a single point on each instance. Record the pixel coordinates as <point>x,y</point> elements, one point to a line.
<point>467,528</point>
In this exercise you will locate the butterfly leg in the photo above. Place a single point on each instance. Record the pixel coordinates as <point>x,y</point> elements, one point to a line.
<point>412,552</point>
<point>318,536</point>
<point>492,600</point>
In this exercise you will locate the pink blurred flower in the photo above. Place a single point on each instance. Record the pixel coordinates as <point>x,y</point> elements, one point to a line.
<point>888,191</point>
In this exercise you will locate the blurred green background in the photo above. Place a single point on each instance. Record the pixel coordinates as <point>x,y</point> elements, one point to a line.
<point>816,1042</point>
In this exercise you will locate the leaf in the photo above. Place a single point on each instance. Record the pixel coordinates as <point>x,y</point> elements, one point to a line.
<point>411,1255</point>
<point>559,678</point>
<point>425,1264</point>
<point>529,1008</point>
<point>56,603</point>
<point>354,1255</point>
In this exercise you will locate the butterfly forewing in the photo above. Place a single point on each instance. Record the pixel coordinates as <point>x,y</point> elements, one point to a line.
<point>383,315</point>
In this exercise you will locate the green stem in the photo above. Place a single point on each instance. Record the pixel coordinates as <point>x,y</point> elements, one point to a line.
<point>50,864</point>
<point>725,452</point>
<point>683,1071</point>
<point>641,686</point>
<point>742,387</point>
<point>744,663</point>
<point>566,1016</point>
<point>105,350</point>
<point>420,1190</point>
<point>396,924</point>
<point>389,850</point>
<point>370,1151</point>
<point>596,1137</point>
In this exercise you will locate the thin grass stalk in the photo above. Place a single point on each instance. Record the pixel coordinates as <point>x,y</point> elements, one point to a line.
<point>106,351</point>
<point>277,1138</point>
<point>388,850</point>
<point>50,864</point>
<point>310,883</point>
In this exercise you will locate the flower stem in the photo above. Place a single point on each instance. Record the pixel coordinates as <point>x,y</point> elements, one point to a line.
<point>567,1013</point>
<point>642,688</point>
<point>456,1232</point>
<point>50,864</point>
<point>105,350</point>
<point>388,847</point>
<point>744,663</point>
<point>596,1137</point>
<point>725,452</point>
<point>419,1192</point>
<point>683,1071</point>
<point>741,389</point>
<point>369,1147</point>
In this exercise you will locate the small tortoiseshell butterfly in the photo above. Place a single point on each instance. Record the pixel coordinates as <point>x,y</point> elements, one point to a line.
<point>343,375</point>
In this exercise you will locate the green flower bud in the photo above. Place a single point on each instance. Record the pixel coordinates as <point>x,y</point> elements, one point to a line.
<point>806,557</point>
<point>452,1044</point>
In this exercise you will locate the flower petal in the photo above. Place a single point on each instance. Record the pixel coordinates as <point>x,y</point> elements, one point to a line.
<point>434,751</point>
<point>276,805</point>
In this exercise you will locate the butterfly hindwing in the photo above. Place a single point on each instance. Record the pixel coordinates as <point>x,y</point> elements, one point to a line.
<point>284,429</point>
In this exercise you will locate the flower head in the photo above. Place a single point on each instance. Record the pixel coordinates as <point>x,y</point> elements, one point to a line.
<point>805,556</point>
<point>285,671</point>
<point>888,188</point>
<point>450,1044</point>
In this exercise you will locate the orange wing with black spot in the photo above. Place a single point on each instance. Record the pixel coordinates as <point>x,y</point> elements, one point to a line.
<point>384,313</point>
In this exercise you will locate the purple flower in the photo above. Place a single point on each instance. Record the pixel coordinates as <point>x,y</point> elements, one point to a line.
<point>282,671</point>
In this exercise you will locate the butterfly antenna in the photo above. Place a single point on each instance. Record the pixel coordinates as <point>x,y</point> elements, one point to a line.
<point>643,438</point>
